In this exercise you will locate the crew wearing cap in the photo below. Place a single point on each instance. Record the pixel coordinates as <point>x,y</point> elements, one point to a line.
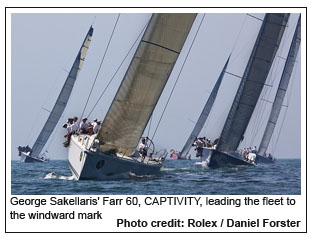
<point>83,126</point>
<point>75,125</point>
<point>94,123</point>
<point>68,128</point>
<point>96,127</point>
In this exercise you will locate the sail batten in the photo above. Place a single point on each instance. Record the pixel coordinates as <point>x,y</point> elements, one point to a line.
<point>144,81</point>
<point>204,114</point>
<point>253,80</point>
<point>282,88</point>
<point>63,97</point>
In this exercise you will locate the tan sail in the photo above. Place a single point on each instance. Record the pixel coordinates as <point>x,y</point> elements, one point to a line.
<point>144,81</point>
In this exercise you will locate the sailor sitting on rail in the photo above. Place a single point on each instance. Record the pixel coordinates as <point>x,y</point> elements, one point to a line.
<point>75,125</point>
<point>96,127</point>
<point>68,128</point>
<point>26,150</point>
<point>83,126</point>
<point>198,144</point>
<point>270,156</point>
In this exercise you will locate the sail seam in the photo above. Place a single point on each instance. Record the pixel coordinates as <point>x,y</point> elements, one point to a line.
<point>155,44</point>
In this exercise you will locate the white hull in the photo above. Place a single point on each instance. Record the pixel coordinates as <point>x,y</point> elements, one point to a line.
<point>89,164</point>
<point>25,158</point>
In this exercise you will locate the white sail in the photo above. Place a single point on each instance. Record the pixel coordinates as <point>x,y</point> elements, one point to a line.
<point>144,81</point>
<point>282,88</point>
<point>253,80</point>
<point>63,97</point>
<point>204,114</point>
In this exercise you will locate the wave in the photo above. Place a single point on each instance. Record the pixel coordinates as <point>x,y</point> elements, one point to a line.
<point>203,164</point>
<point>53,175</point>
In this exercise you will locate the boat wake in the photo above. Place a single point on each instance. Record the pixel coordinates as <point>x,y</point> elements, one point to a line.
<point>53,175</point>
<point>167,169</point>
<point>133,176</point>
<point>202,164</point>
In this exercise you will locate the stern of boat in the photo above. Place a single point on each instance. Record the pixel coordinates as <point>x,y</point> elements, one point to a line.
<point>262,159</point>
<point>86,162</point>
<point>221,159</point>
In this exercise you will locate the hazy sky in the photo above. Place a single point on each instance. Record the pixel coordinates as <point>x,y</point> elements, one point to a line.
<point>43,48</point>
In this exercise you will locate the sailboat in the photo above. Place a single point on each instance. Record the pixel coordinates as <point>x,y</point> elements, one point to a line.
<point>203,116</point>
<point>248,92</point>
<point>33,154</point>
<point>279,97</point>
<point>113,150</point>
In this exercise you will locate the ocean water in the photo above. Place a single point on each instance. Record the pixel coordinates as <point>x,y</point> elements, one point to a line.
<point>183,177</point>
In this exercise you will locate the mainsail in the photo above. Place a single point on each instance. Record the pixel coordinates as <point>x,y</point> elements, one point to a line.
<point>282,88</point>
<point>144,81</point>
<point>63,97</point>
<point>204,114</point>
<point>253,80</point>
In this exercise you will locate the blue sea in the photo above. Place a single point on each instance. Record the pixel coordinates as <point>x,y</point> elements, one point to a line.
<point>185,177</point>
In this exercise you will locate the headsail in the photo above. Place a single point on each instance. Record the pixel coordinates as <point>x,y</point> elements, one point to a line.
<point>144,81</point>
<point>63,97</point>
<point>253,80</point>
<point>204,114</point>
<point>282,88</point>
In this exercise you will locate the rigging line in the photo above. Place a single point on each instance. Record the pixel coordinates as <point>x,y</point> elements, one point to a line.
<point>254,17</point>
<point>288,100</point>
<point>262,106</point>
<point>93,20</point>
<point>51,92</point>
<point>247,43</point>
<point>271,79</point>
<point>265,94</point>
<point>118,68</point>
<point>239,33</point>
<point>162,114</point>
<point>149,128</point>
<point>279,132</point>
<point>96,76</point>
<point>53,135</point>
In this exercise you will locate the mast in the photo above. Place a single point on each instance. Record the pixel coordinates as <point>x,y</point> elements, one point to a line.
<point>282,88</point>
<point>204,114</point>
<point>63,97</point>
<point>253,80</point>
<point>144,82</point>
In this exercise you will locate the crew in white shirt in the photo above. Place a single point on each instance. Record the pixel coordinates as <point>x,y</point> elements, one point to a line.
<point>96,127</point>
<point>143,147</point>
<point>94,123</point>
<point>75,125</point>
<point>83,126</point>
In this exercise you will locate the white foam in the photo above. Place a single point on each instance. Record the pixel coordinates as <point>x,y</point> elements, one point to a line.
<point>53,175</point>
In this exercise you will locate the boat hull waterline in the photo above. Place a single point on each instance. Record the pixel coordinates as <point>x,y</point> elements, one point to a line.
<point>216,159</point>
<point>29,159</point>
<point>89,165</point>
<point>262,159</point>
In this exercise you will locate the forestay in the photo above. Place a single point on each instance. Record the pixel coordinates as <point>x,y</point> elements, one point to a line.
<point>63,97</point>
<point>282,88</point>
<point>253,80</point>
<point>144,81</point>
<point>204,114</point>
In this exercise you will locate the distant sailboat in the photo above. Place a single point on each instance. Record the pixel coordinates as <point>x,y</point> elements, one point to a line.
<point>248,92</point>
<point>113,150</point>
<point>280,94</point>
<point>203,116</point>
<point>33,154</point>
